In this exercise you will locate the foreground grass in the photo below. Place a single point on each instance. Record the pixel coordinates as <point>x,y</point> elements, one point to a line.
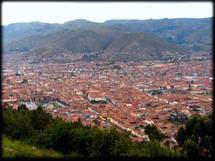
<point>17,149</point>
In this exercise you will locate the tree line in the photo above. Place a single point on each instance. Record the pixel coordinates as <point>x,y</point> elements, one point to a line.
<point>73,139</point>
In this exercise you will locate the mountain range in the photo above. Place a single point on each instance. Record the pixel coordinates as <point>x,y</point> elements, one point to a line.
<point>113,39</point>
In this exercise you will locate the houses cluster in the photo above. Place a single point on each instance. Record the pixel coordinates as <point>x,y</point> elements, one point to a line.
<point>178,117</point>
<point>127,96</point>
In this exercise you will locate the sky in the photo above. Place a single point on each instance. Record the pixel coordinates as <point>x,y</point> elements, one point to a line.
<point>60,12</point>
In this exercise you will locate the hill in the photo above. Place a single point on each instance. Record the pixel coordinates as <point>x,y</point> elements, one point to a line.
<point>19,149</point>
<point>65,40</point>
<point>141,46</point>
<point>16,31</point>
<point>114,39</point>
<point>193,33</point>
<point>112,44</point>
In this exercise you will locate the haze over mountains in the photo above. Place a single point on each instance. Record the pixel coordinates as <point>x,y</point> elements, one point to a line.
<point>113,39</point>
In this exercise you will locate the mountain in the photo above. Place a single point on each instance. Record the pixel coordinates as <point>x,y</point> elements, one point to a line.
<point>112,44</point>
<point>141,46</point>
<point>192,33</point>
<point>114,39</point>
<point>80,24</point>
<point>65,40</point>
<point>16,31</point>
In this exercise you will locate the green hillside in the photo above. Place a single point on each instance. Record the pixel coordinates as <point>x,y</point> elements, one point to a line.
<point>65,40</point>
<point>141,46</point>
<point>118,40</point>
<point>16,31</point>
<point>112,44</point>
<point>18,149</point>
<point>194,34</point>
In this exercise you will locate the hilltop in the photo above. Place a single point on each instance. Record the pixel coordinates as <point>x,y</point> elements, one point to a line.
<point>114,39</point>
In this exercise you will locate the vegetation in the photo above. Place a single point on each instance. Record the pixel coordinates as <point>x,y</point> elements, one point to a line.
<point>18,149</point>
<point>154,133</point>
<point>86,36</point>
<point>195,138</point>
<point>73,140</point>
<point>130,41</point>
<point>193,34</point>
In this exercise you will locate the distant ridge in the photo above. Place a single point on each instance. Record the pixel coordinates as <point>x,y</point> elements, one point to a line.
<point>116,39</point>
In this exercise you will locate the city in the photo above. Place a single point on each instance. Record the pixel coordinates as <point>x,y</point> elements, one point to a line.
<point>107,80</point>
<point>125,95</point>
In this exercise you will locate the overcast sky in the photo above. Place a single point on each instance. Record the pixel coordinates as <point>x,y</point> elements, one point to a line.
<point>60,12</point>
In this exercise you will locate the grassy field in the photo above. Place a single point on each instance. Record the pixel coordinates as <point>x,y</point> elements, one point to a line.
<point>18,149</point>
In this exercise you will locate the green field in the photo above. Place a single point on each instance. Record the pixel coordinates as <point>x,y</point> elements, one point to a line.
<point>18,149</point>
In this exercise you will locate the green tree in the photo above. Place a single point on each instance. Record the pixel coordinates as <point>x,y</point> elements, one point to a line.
<point>197,134</point>
<point>17,123</point>
<point>154,133</point>
<point>191,149</point>
<point>181,136</point>
<point>40,119</point>
<point>120,147</point>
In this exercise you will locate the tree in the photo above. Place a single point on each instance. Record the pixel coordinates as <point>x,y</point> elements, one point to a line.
<point>120,147</point>
<point>16,124</point>
<point>191,149</point>
<point>181,136</point>
<point>76,140</point>
<point>154,133</point>
<point>22,107</point>
<point>40,119</point>
<point>197,134</point>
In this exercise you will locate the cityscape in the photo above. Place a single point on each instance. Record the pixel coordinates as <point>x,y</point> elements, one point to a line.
<point>146,83</point>
<point>125,95</point>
